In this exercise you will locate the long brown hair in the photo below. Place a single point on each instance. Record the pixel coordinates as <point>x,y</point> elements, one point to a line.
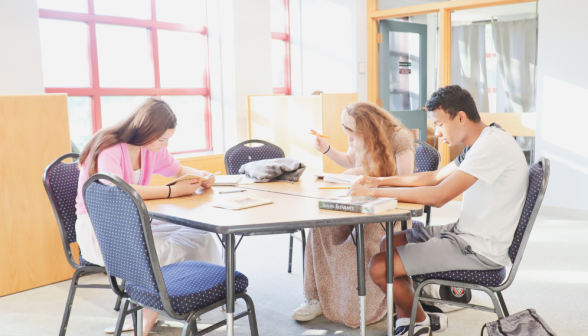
<point>145,125</point>
<point>375,127</point>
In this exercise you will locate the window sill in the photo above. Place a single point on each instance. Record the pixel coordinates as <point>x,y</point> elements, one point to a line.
<point>199,155</point>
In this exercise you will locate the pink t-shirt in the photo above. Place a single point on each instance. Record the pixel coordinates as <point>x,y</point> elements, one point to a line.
<point>116,160</point>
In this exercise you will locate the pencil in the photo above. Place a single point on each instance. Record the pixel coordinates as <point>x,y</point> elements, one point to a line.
<point>334,187</point>
<point>322,136</point>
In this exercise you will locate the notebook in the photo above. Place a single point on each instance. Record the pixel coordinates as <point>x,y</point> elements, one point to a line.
<point>242,202</point>
<point>227,180</point>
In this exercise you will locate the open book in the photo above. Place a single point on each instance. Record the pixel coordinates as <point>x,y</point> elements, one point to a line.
<point>339,178</point>
<point>227,180</point>
<point>242,202</point>
<point>187,177</point>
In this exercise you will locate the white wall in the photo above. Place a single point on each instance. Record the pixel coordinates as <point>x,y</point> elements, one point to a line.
<point>20,48</point>
<point>328,40</point>
<point>562,88</point>
<point>245,54</point>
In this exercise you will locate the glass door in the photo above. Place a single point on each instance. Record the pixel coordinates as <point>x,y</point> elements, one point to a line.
<point>403,72</point>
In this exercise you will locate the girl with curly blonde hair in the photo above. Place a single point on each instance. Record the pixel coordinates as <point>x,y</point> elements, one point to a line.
<point>378,146</point>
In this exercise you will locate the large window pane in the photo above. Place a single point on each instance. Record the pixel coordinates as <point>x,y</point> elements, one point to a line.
<point>190,133</point>
<point>181,59</point>
<point>138,9</point>
<point>80,120</point>
<point>64,45</point>
<point>124,56</point>
<point>278,63</point>
<point>78,6</point>
<point>117,108</point>
<point>191,12</point>
<point>278,16</point>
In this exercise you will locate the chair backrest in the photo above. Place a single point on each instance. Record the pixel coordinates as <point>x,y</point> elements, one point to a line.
<point>538,180</point>
<point>120,230</point>
<point>241,154</point>
<point>61,184</point>
<point>123,229</point>
<point>427,158</point>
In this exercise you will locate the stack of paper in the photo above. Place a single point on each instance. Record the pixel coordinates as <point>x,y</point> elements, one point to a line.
<point>242,202</point>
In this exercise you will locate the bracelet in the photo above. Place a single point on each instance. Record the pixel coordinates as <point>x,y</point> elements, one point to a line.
<point>169,194</point>
<point>327,150</point>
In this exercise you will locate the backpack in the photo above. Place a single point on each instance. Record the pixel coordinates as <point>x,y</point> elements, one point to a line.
<point>524,323</point>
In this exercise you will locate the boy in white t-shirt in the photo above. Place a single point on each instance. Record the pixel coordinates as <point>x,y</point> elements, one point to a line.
<point>492,174</point>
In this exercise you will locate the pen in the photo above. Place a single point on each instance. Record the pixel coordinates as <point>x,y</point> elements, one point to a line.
<point>322,136</point>
<point>231,191</point>
<point>334,187</point>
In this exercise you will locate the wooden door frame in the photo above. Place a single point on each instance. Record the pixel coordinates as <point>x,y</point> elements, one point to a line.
<point>444,10</point>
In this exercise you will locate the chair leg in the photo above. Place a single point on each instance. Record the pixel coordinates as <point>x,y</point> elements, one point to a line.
<point>428,212</point>
<point>134,317</point>
<point>415,305</point>
<point>69,303</point>
<point>502,304</point>
<point>251,316</point>
<point>290,255</point>
<point>190,327</point>
<point>497,307</point>
<point>119,299</point>
<point>121,318</point>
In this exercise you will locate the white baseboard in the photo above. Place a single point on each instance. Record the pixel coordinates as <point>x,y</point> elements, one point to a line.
<point>566,213</point>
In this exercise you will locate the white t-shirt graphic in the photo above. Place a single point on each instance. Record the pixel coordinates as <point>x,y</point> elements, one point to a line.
<point>492,206</point>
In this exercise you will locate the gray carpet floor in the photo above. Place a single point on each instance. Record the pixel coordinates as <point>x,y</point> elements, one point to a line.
<point>553,278</point>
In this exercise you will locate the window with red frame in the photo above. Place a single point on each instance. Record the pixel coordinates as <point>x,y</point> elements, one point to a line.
<point>280,27</point>
<point>111,55</point>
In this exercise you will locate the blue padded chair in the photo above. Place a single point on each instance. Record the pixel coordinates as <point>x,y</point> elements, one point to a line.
<point>241,154</point>
<point>183,290</point>
<point>492,281</point>
<point>427,158</point>
<point>61,184</point>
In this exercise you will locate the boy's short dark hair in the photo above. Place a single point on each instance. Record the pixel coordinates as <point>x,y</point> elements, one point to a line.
<point>453,99</point>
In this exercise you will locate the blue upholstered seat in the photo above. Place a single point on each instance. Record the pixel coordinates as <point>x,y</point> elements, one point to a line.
<point>191,285</point>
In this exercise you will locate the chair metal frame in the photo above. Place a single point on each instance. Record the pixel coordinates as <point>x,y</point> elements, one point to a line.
<point>497,300</point>
<point>302,239</point>
<point>79,269</point>
<point>190,328</point>
<point>427,209</point>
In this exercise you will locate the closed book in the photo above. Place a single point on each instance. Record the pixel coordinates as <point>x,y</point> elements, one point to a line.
<point>359,204</point>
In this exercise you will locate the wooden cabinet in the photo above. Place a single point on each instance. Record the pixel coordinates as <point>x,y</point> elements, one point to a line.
<point>34,131</point>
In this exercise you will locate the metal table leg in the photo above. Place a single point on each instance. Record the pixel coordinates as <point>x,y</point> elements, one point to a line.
<point>140,322</point>
<point>360,276</point>
<point>390,274</point>
<point>230,268</point>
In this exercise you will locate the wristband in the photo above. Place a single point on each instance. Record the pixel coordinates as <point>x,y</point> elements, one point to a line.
<point>169,194</point>
<point>327,150</point>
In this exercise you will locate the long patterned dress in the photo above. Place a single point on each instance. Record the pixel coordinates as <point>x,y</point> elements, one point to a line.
<point>331,268</point>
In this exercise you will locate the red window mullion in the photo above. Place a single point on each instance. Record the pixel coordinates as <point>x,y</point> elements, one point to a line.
<point>95,92</point>
<point>155,47</point>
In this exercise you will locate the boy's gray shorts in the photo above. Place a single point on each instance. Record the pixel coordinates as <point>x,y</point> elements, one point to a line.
<point>438,249</point>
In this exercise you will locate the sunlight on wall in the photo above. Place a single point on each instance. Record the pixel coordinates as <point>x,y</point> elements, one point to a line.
<point>562,122</point>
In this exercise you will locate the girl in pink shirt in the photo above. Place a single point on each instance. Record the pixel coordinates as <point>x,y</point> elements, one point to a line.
<point>134,149</point>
